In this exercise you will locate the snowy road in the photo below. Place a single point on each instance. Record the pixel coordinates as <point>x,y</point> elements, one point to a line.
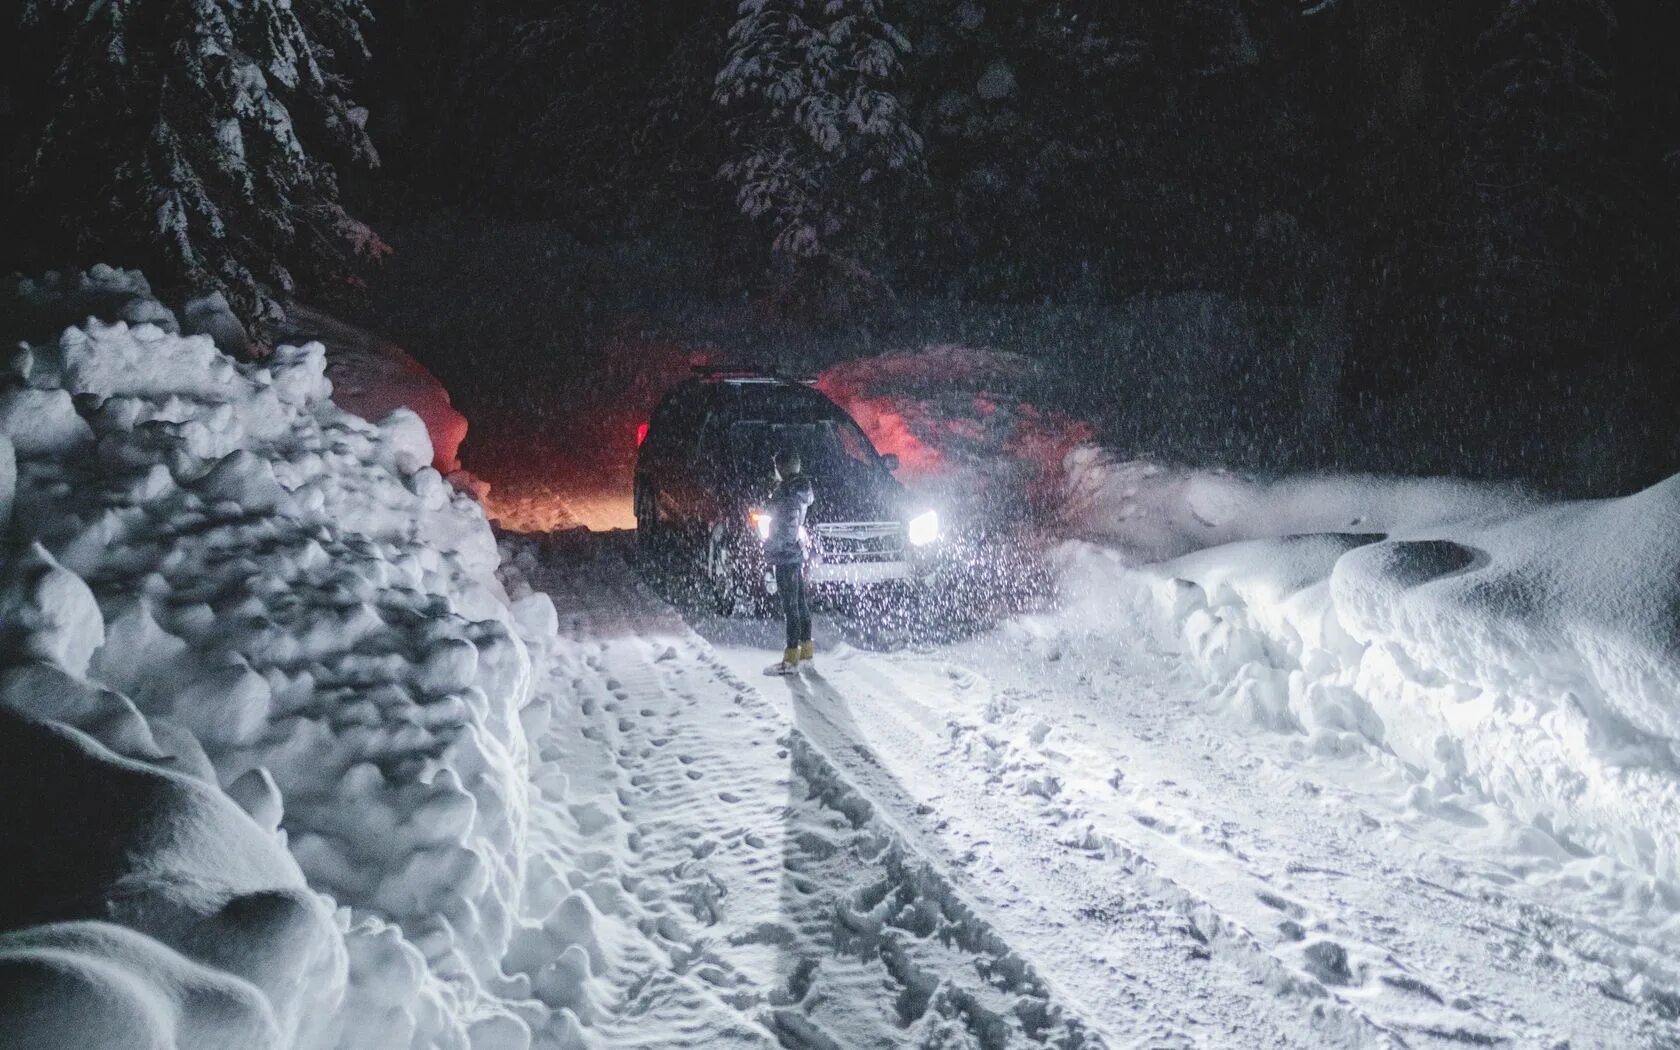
<point>1037,836</point>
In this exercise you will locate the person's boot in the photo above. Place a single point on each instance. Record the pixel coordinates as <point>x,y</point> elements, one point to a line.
<point>789,664</point>
<point>807,654</point>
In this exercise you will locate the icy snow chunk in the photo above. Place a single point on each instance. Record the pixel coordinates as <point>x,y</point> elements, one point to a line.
<point>449,666</point>
<point>392,1001</point>
<point>411,446</point>
<point>42,422</point>
<point>212,316</point>
<point>570,925</point>
<point>258,795</point>
<point>298,374</point>
<point>136,648</point>
<point>565,982</point>
<point>446,814</point>
<point>243,479</point>
<point>111,359</point>
<point>225,706</point>
<point>47,612</point>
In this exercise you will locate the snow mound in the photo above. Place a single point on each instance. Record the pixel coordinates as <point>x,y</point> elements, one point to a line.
<point>276,622</point>
<point>372,378</point>
<point>144,900</point>
<point>1154,511</point>
<point>1579,602</point>
<point>39,307</point>
<point>955,418</point>
<point>1530,657</point>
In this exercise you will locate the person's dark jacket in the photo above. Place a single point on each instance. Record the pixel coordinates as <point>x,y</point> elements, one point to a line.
<point>787,507</point>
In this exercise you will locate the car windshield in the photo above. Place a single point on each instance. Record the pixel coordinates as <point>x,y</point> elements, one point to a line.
<point>824,446</point>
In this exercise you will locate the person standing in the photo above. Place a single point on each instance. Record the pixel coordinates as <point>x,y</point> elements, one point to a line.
<point>785,550</point>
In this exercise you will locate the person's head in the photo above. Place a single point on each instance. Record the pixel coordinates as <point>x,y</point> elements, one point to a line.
<point>787,463</point>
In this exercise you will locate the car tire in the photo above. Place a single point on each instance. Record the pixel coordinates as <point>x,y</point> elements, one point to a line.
<point>730,593</point>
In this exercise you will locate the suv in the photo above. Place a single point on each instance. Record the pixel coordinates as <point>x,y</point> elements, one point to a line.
<point>703,472</point>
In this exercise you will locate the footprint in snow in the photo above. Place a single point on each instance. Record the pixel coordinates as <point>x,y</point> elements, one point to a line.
<point>1328,961</point>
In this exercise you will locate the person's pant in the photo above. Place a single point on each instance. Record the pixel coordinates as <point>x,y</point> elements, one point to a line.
<point>796,607</point>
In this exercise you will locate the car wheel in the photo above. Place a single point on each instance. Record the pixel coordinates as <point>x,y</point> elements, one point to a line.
<point>731,592</point>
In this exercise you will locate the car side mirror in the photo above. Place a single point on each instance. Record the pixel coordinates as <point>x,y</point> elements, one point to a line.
<point>890,461</point>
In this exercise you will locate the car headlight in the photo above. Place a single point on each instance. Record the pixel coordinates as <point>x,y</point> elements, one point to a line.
<point>924,528</point>
<point>761,522</point>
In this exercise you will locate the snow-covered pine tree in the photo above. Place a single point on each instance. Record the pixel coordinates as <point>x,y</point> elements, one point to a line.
<point>815,128</point>
<point>193,139</point>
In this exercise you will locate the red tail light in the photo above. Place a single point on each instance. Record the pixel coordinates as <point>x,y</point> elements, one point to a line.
<point>641,434</point>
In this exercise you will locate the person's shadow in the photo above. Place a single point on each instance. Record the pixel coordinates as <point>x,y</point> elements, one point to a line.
<point>835,783</point>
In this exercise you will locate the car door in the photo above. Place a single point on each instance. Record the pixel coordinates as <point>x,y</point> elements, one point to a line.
<point>678,492</point>
<point>716,494</point>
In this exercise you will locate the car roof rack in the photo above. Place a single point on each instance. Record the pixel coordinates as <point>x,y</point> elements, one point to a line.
<point>738,375</point>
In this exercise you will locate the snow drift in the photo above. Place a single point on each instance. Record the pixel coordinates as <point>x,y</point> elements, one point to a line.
<point>266,709</point>
<point>144,908</point>
<point>958,420</point>
<point>373,377</point>
<point>1524,653</point>
<point>1154,511</point>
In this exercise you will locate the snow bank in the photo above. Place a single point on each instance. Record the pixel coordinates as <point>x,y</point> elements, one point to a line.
<point>1528,655</point>
<point>372,377</point>
<point>250,643</point>
<point>1154,511</point>
<point>960,427</point>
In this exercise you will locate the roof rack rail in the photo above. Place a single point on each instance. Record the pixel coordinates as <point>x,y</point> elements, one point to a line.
<point>719,371</point>
<point>744,374</point>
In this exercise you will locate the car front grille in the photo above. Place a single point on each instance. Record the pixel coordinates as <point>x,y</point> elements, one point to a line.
<point>860,541</point>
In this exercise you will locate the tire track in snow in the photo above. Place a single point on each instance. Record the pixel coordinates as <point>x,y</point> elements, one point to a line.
<point>759,901</point>
<point>1424,967</point>
<point>1156,966</point>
